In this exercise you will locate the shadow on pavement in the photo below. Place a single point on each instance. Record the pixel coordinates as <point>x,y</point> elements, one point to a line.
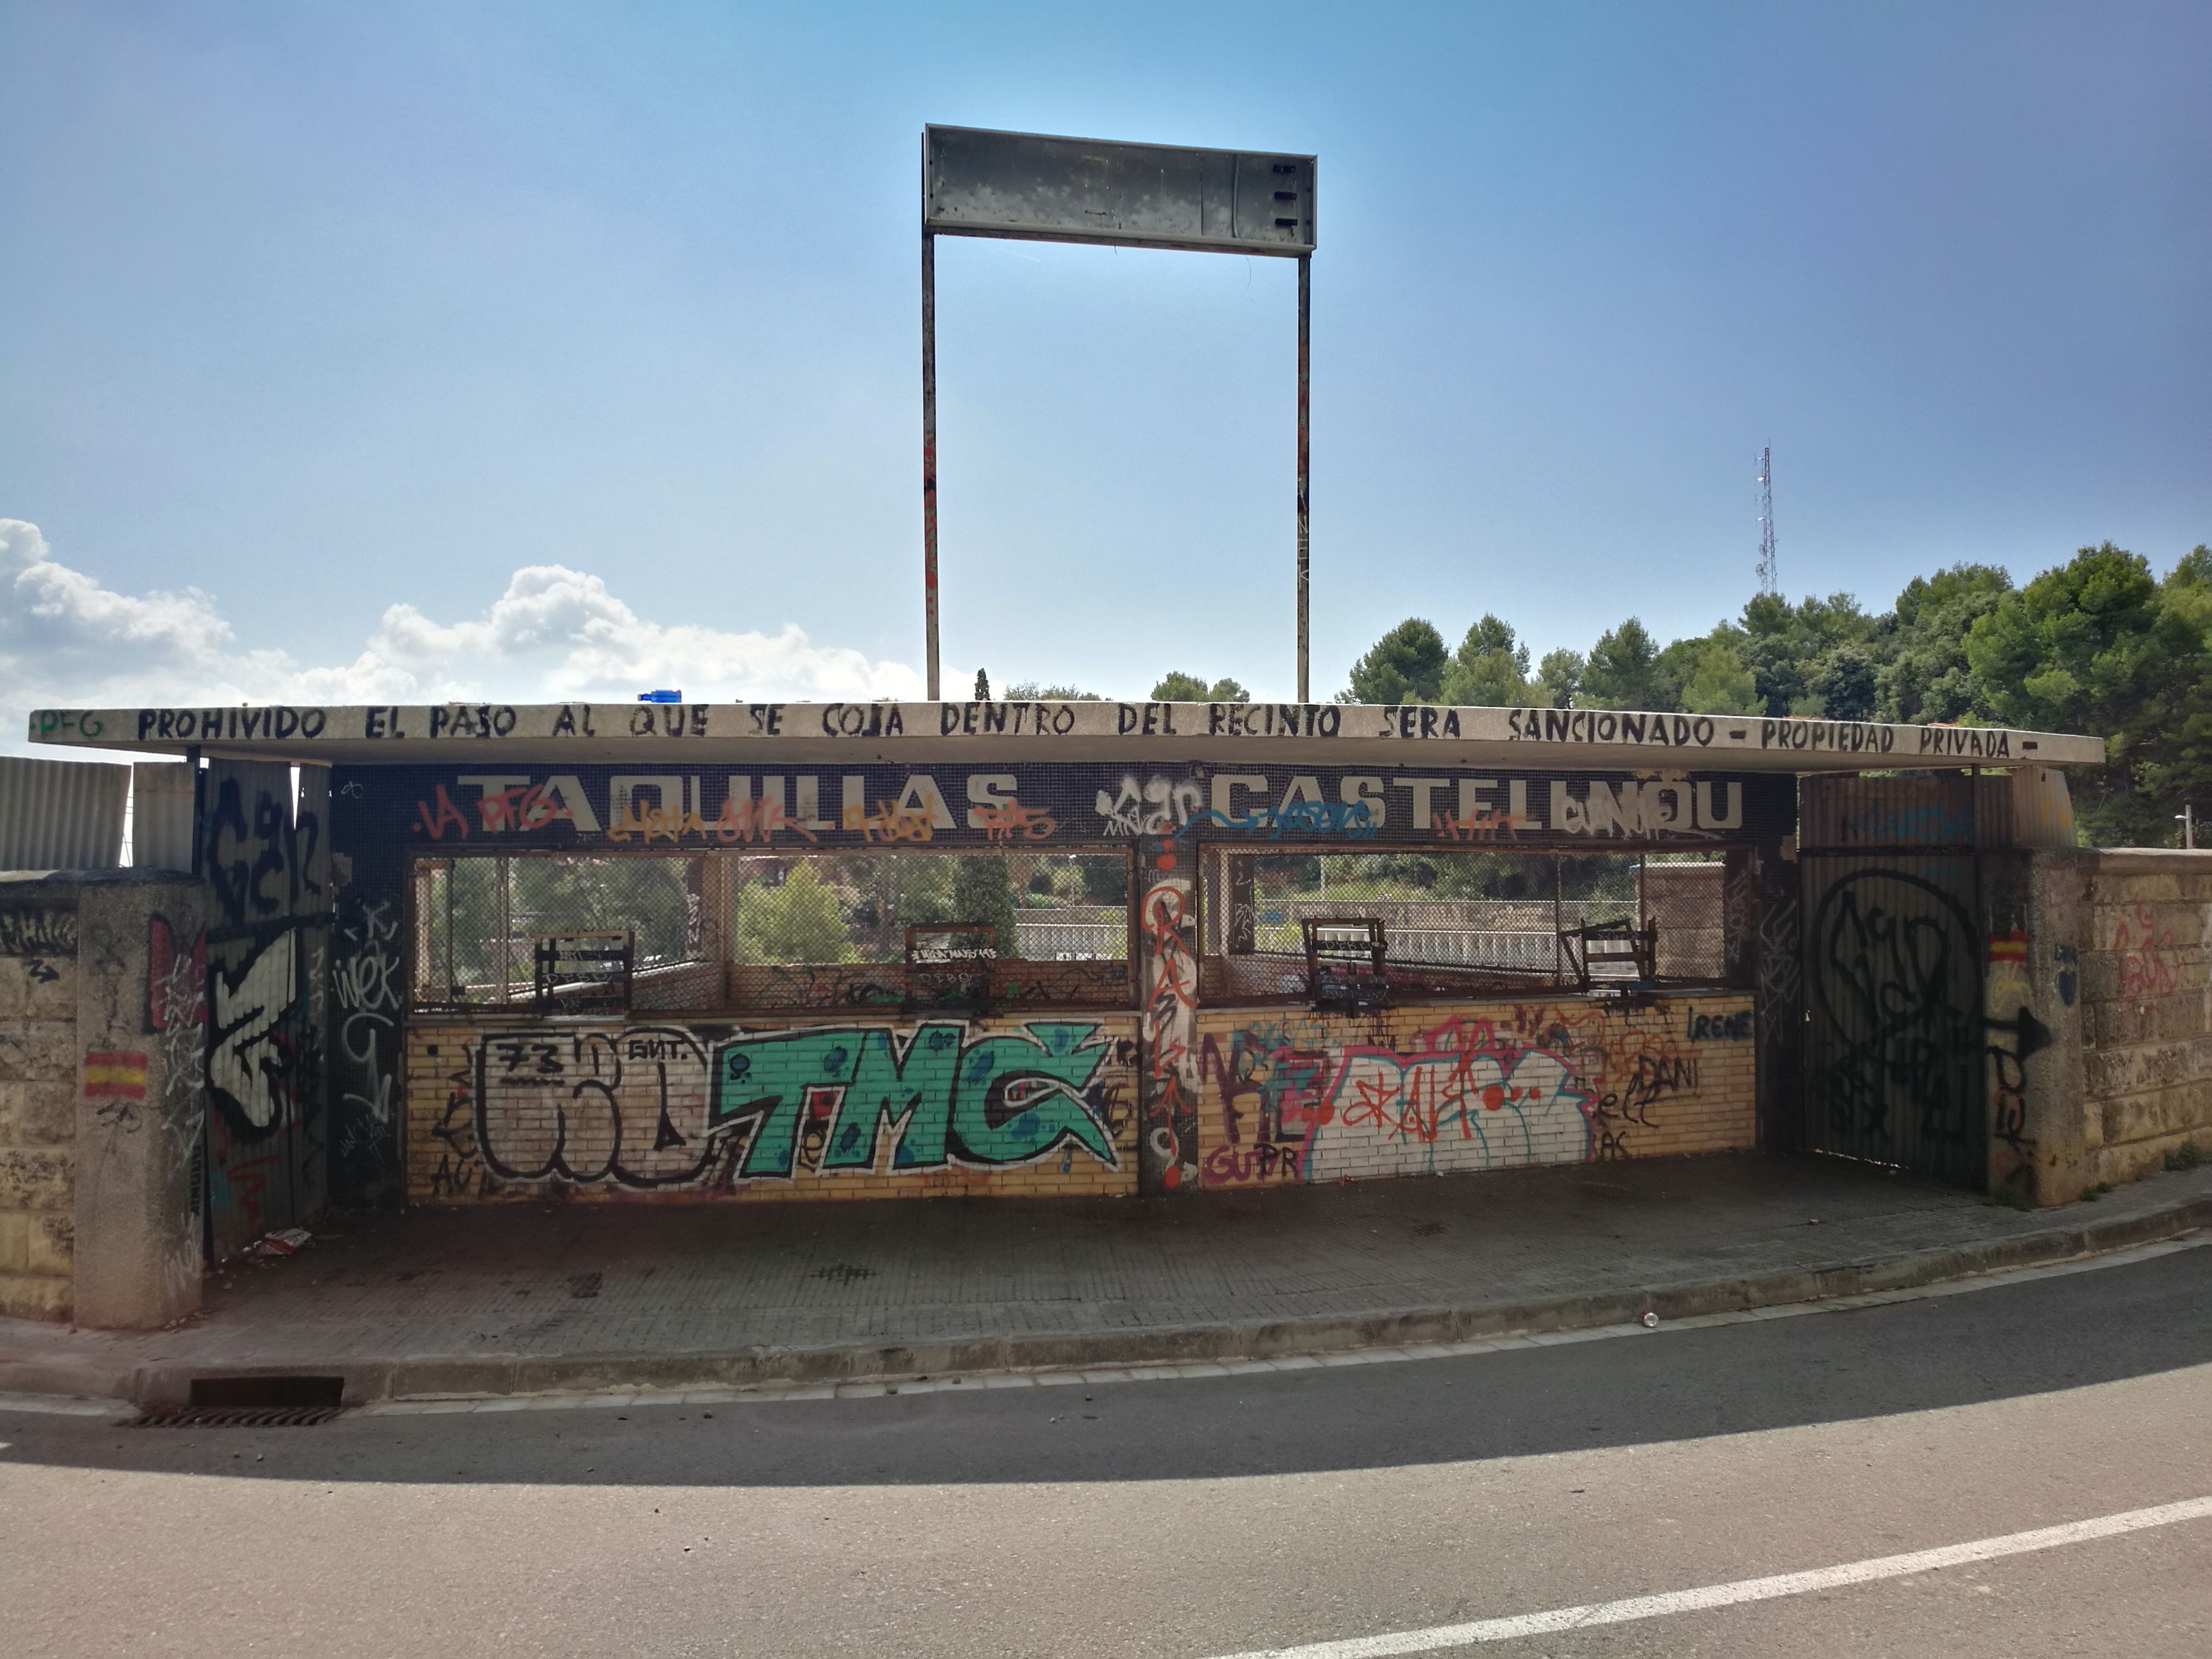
<point>1997,1344</point>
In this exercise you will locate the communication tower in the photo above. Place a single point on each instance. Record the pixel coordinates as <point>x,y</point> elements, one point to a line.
<point>1770,580</point>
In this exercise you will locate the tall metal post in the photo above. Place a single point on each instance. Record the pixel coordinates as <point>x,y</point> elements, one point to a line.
<point>1306,404</point>
<point>199,806</point>
<point>929,457</point>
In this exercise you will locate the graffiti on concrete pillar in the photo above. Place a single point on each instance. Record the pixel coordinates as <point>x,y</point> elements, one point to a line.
<point>1166,924</point>
<point>176,1018</point>
<point>2015,1034</point>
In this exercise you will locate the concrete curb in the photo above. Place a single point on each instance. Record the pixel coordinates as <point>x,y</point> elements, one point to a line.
<point>442,1376</point>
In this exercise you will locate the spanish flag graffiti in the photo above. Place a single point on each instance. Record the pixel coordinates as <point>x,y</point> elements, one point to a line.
<point>114,1074</point>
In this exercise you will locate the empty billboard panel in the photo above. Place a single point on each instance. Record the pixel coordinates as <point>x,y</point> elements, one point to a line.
<point>980,183</point>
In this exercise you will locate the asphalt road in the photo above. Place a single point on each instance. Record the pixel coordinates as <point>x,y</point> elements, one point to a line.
<point>1196,1517</point>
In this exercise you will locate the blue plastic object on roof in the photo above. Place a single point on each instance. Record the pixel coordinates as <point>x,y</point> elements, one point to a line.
<point>660,697</point>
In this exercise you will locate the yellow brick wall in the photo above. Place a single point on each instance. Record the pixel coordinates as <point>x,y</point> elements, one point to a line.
<point>590,1110</point>
<point>1293,1096</point>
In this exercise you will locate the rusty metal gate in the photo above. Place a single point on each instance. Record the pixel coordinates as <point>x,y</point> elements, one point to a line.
<point>1894,1003</point>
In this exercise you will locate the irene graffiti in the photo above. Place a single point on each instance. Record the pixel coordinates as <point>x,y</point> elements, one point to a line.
<point>1319,1097</point>
<point>869,1109</point>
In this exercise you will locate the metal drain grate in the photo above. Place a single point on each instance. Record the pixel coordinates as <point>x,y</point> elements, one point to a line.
<point>264,1401</point>
<point>232,1417</point>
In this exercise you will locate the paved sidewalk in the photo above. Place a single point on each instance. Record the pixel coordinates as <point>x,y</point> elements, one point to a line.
<point>517,1299</point>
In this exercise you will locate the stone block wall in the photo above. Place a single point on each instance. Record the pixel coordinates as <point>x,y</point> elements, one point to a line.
<point>38,1109</point>
<point>102,1069</point>
<point>2146,992</point>
<point>916,1106</point>
<point>1288,1096</point>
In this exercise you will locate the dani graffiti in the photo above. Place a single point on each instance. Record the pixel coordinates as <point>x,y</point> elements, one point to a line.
<point>673,1108</point>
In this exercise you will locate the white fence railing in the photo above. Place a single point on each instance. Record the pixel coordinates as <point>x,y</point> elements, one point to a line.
<point>1062,941</point>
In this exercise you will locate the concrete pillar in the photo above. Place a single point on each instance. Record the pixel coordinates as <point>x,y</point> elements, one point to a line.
<point>1167,937</point>
<point>1779,953</point>
<point>2036,908</point>
<point>142,1034</point>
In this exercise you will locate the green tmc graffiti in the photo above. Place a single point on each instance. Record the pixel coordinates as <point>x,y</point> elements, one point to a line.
<point>1005,1099</point>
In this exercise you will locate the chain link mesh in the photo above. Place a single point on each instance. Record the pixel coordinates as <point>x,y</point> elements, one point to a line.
<point>1480,918</point>
<point>716,929</point>
<point>745,930</point>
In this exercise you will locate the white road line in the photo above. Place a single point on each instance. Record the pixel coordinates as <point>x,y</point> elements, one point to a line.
<point>1743,1589</point>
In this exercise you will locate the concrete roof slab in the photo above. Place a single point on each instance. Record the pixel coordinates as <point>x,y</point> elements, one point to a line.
<point>827,733</point>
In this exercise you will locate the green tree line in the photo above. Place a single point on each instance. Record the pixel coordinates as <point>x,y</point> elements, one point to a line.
<point>2097,645</point>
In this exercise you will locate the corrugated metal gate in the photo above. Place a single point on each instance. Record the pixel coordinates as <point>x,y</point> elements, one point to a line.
<point>267,863</point>
<point>1894,1061</point>
<point>1894,1038</point>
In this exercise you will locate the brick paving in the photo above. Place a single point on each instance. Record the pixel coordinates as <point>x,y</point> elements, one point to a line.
<point>649,1282</point>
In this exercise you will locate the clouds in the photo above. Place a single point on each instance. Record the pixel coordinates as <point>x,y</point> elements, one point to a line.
<point>67,641</point>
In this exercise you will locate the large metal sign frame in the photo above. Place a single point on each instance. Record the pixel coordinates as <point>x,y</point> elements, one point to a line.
<point>1033,187</point>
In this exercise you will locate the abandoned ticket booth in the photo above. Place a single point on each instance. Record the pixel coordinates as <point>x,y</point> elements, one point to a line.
<point>777,950</point>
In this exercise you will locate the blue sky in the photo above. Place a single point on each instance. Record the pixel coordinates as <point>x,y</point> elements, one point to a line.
<point>345,315</point>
